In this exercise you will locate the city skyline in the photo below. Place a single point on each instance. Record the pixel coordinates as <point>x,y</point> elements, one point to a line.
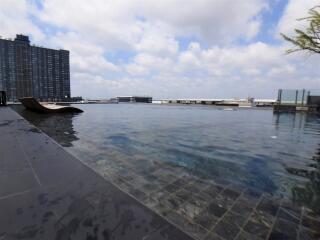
<point>31,71</point>
<point>170,49</point>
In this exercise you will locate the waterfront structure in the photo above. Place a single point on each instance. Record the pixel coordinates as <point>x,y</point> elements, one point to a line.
<point>247,102</point>
<point>32,71</point>
<point>135,99</point>
<point>264,102</point>
<point>292,100</point>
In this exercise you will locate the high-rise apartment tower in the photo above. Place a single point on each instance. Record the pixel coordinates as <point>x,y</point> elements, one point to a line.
<point>32,71</point>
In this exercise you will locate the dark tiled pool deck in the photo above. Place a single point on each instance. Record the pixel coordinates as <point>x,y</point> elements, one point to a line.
<point>45,193</point>
<point>60,197</point>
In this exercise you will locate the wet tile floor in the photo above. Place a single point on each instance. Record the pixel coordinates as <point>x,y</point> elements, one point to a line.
<point>207,209</point>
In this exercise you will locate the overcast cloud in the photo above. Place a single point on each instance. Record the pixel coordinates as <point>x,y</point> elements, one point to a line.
<point>170,48</point>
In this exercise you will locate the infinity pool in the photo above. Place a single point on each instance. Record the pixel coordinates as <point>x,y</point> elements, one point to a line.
<point>213,173</point>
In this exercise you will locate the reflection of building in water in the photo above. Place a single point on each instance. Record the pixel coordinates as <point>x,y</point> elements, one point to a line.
<point>308,192</point>
<point>57,126</point>
<point>293,120</point>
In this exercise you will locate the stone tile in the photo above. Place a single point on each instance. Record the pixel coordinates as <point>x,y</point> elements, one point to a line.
<point>216,210</point>
<point>59,173</point>
<point>166,232</point>
<point>199,200</point>
<point>213,236</point>
<point>138,194</point>
<point>180,221</point>
<point>223,201</point>
<point>123,185</point>
<point>256,229</point>
<point>181,182</point>
<point>173,202</point>
<point>160,194</point>
<point>191,188</point>
<point>165,175</point>
<point>161,209</point>
<point>307,234</point>
<point>213,190</point>
<point>127,178</point>
<point>242,208</point>
<point>310,213</point>
<point>312,223</point>
<point>269,206</point>
<point>183,194</point>
<point>194,230</point>
<point>12,163</point>
<point>253,194</point>
<point>148,188</point>
<point>17,182</point>
<point>81,210</point>
<point>247,236</point>
<point>176,218</point>
<point>145,170</point>
<point>172,187</point>
<point>205,219</point>
<point>288,216</point>
<point>234,219</point>
<point>284,230</point>
<point>201,184</point>
<point>148,177</point>
<point>122,171</point>
<point>262,217</point>
<point>150,201</point>
<point>137,181</point>
<point>226,230</point>
<point>190,209</point>
<point>290,212</point>
<point>159,182</point>
<point>231,194</point>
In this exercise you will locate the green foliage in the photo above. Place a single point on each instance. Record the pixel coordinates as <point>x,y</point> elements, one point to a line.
<point>308,40</point>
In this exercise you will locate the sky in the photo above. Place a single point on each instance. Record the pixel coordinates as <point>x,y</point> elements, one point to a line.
<point>170,48</point>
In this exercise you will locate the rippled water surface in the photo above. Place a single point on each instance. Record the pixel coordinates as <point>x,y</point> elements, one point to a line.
<point>144,147</point>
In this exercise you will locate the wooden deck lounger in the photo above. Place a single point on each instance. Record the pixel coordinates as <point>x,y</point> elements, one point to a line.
<point>33,105</point>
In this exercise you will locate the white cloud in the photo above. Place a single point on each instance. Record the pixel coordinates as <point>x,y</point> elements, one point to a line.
<point>119,22</point>
<point>295,9</point>
<point>14,19</point>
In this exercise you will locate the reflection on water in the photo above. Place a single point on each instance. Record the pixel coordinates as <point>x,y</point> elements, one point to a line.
<point>59,127</point>
<point>307,193</point>
<point>273,153</point>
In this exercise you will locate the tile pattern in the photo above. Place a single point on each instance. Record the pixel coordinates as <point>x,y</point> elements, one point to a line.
<point>208,209</point>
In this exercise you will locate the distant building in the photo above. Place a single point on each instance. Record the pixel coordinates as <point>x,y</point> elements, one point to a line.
<point>134,99</point>
<point>264,102</point>
<point>39,72</point>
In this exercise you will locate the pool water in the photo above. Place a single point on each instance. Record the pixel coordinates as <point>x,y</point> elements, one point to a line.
<point>203,168</point>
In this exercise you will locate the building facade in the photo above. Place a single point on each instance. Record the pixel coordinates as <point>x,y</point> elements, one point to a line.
<point>134,99</point>
<point>32,71</point>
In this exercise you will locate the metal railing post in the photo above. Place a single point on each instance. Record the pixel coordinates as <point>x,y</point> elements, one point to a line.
<point>302,103</point>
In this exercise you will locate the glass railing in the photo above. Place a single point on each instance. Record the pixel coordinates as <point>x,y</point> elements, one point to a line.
<point>296,97</point>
